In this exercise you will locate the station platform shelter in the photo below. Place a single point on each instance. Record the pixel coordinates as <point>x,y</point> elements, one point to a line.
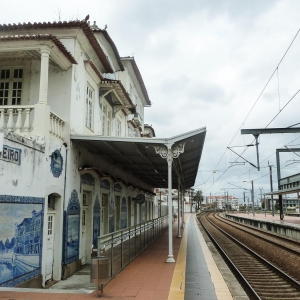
<point>195,274</point>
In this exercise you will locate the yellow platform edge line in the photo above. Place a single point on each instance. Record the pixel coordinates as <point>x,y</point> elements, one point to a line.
<point>178,280</point>
<point>221,287</point>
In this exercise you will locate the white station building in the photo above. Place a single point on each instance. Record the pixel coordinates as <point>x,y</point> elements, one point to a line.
<point>75,150</point>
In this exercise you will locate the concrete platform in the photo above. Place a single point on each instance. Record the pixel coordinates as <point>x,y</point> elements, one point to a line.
<point>289,226</point>
<point>194,275</point>
<point>268,217</point>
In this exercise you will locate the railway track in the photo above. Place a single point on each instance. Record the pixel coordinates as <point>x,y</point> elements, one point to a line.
<point>283,242</point>
<point>260,278</point>
<point>281,251</point>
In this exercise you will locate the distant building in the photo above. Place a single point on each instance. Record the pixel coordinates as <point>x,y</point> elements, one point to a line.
<point>220,202</point>
<point>76,148</point>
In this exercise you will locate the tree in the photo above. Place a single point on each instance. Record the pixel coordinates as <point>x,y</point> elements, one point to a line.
<point>198,198</point>
<point>228,206</point>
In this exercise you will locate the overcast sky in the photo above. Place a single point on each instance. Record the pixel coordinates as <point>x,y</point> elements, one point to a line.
<point>205,63</point>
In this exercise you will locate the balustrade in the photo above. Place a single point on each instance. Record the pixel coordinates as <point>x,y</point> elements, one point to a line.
<point>20,119</point>
<point>56,125</point>
<point>15,118</point>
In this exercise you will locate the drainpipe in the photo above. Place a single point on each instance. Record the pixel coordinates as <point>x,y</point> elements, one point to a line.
<point>63,265</point>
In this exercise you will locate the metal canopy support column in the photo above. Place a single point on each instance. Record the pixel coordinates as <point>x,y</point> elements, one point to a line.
<point>178,223</point>
<point>280,202</point>
<point>278,165</point>
<point>278,151</point>
<point>169,152</point>
<point>271,185</point>
<point>182,211</point>
<point>170,160</point>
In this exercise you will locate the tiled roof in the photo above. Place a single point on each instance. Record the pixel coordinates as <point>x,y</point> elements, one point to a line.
<point>132,123</point>
<point>41,37</point>
<point>119,88</point>
<point>139,77</point>
<point>71,24</point>
<point>94,68</point>
<point>113,46</point>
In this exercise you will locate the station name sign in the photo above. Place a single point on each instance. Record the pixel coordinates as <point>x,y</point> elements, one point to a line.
<point>10,154</point>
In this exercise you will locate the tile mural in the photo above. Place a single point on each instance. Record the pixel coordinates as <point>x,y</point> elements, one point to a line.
<point>111,215</point>
<point>21,235</point>
<point>123,213</point>
<point>96,221</point>
<point>143,212</point>
<point>72,223</point>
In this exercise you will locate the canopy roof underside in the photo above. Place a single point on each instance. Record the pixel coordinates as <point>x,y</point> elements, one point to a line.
<point>138,156</point>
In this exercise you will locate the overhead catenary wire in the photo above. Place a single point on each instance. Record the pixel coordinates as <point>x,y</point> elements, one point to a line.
<point>265,86</point>
<point>282,166</point>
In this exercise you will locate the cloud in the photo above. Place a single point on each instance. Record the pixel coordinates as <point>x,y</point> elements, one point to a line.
<point>204,63</point>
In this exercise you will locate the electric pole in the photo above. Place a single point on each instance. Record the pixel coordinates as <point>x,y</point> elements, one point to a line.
<point>252,198</point>
<point>271,185</point>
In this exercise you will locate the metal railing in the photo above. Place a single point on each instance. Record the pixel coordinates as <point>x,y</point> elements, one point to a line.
<point>122,246</point>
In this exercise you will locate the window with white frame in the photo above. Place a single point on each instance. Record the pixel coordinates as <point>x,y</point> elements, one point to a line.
<point>11,83</point>
<point>118,128</point>
<point>89,107</point>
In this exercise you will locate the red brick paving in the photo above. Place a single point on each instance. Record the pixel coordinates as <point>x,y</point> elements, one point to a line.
<point>147,277</point>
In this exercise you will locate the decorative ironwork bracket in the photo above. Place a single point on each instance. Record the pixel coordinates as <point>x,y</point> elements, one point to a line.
<point>170,153</point>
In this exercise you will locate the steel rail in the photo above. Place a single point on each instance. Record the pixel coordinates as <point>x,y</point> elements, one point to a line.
<point>248,286</point>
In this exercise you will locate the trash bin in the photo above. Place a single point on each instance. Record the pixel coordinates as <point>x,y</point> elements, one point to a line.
<point>99,271</point>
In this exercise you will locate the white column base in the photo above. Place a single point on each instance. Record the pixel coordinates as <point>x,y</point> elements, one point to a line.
<point>170,259</point>
<point>179,235</point>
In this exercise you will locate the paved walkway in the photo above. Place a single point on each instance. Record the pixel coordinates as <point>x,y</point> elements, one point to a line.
<point>193,276</point>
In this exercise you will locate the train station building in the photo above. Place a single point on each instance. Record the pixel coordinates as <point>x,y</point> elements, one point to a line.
<point>77,159</point>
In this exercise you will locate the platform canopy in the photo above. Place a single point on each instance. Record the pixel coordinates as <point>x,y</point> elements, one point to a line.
<point>145,158</point>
